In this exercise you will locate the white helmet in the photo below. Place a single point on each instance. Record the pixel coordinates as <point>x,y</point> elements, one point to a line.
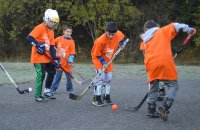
<point>51,15</point>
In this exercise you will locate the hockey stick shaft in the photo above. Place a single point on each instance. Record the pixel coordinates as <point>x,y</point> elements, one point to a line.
<point>13,82</point>
<point>72,77</point>
<point>61,54</point>
<point>175,55</point>
<point>78,97</point>
<point>183,45</point>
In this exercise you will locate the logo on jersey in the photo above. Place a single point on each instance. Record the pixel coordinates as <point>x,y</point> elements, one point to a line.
<point>46,41</point>
<point>109,53</point>
<point>62,49</point>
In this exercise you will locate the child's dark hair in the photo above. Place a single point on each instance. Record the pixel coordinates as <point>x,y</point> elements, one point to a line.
<point>111,27</point>
<point>67,27</point>
<point>150,24</point>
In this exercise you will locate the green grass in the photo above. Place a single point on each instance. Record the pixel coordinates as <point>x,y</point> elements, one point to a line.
<point>25,72</point>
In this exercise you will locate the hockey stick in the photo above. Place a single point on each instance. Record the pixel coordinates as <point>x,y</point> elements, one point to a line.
<point>184,43</point>
<point>82,77</point>
<point>136,108</point>
<point>13,82</point>
<point>70,75</point>
<point>78,97</point>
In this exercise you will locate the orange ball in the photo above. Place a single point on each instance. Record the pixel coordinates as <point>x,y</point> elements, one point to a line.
<point>114,107</point>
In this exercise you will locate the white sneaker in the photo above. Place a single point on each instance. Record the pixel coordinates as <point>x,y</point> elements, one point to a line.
<point>46,90</point>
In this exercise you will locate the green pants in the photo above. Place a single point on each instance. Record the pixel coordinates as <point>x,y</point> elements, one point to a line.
<point>40,76</point>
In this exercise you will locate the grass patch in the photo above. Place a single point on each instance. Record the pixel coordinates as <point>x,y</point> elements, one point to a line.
<point>25,72</point>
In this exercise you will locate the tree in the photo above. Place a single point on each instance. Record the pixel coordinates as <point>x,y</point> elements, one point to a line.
<point>93,14</point>
<point>197,21</point>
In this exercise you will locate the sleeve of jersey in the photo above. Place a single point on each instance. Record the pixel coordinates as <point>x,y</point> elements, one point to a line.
<point>183,27</point>
<point>36,33</point>
<point>169,31</point>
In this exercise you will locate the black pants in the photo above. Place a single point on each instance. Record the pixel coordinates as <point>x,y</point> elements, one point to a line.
<point>49,68</point>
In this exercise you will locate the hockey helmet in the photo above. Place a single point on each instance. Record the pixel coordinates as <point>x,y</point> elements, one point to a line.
<point>51,18</point>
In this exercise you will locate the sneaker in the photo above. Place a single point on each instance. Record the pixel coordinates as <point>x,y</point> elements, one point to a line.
<point>97,101</point>
<point>151,112</point>
<point>40,99</point>
<point>47,90</point>
<point>154,114</point>
<point>49,95</point>
<point>106,99</point>
<point>69,92</point>
<point>163,113</point>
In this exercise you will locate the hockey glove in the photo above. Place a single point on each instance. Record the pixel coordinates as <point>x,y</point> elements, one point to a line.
<point>41,48</point>
<point>57,62</point>
<point>105,66</point>
<point>193,31</point>
<point>121,44</point>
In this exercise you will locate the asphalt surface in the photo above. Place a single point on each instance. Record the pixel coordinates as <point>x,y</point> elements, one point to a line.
<point>20,112</point>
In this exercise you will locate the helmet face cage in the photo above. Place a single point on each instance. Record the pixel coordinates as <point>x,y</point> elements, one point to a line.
<point>51,24</point>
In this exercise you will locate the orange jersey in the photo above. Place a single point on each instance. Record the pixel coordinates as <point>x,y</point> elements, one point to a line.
<point>66,47</point>
<point>105,47</point>
<point>159,60</point>
<point>41,34</point>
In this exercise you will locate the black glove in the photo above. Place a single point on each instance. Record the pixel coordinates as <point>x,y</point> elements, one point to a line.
<point>57,62</point>
<point>41,48</point>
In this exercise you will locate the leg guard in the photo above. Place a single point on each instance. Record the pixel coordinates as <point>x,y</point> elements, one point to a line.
<point>107,88</point>
<point>103,90</point>
<point>97,90</point>
<point>168,103</point>
<point>97,101</point>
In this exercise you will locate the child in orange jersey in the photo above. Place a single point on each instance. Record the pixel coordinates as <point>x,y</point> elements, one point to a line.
<point>159,63</point>
<point>66,47</point>
<point>161,93</point>
<point>42,37</point>
<point>103,50</point>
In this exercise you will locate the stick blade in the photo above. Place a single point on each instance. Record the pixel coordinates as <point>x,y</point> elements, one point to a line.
<point>24,91</point>
<point>131,109</point>
<point>74,96</point>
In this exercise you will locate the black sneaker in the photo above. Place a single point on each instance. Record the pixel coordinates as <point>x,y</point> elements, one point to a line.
<point>154,114</point>
<point>40,99</point>
<point>49,95</point>
<point>163,113</point>
<point>97,101</point>
<point>106,99</point>
<point>151,112</point>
